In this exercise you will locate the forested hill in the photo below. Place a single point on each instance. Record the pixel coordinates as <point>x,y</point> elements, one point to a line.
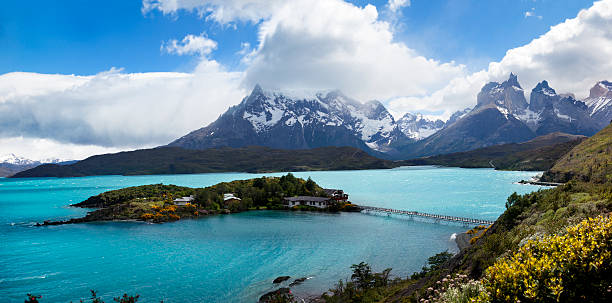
<point>591,161</point>
<point>174,160</point>
<point>540,153</point>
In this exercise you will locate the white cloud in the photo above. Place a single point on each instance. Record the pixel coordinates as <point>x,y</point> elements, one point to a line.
<point>190,45</point>
<point>572,56</point>
<point>39,149</point>
<point>115,109</point>
<point>324,44</point>
<point>395,5</point>
<point>531,13</point>
<point>341,46</point>
<point>222,11</point>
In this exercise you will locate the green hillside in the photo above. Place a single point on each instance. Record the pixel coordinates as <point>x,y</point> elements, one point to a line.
<point>537,154</point>
<point>174,160</point>
<point>591,160</point>
<point>552,245</point>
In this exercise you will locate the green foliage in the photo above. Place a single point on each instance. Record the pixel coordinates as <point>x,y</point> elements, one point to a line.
<point>434,263</point>
<point>364,286</point>
<point>154,203</point>
<point>156,191</point>
<point>458,288</point>
<point>538,154</point>
<point>589,161</point>
<point>536,214</point>
<point>573,267</point>
<point>258,192</point>
<point>282,295</point>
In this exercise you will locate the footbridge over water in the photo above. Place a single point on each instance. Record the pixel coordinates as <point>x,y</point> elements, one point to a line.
<point>435,217</point>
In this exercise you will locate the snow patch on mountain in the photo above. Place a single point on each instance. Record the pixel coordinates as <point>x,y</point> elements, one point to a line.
<point>418,127</point>
<point>16,160</point>
<point>600,99</point>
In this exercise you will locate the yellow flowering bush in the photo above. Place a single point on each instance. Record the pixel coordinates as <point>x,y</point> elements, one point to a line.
<point>147,216</point>
<point>573,267</point>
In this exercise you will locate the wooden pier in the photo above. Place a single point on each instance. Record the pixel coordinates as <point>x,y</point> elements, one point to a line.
<point>390,211</point>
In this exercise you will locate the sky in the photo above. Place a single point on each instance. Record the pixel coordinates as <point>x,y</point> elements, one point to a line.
<point>79,78</point>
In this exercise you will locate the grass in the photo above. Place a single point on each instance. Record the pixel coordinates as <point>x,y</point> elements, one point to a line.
<point>591,160</point>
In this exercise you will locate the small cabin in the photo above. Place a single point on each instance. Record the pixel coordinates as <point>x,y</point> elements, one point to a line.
<point>183,200</point>
<point>336,194</point>
<point>229,198</point>
<point>319,202</point>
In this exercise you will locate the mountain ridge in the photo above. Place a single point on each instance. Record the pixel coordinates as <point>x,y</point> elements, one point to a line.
<point>175,160</point>
<point>501,115</point>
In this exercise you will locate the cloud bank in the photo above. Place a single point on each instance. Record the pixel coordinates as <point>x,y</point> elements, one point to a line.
<point>340,46</point>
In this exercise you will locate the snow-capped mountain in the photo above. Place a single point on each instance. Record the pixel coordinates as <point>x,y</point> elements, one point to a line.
<point>16,160</point>
<point>502,115</point>
<point>279,120</point>
<point>418,127</point>
<point>599,102</point>
<point>550,112</point>
<point>507,96</point>
<point>11,164</point>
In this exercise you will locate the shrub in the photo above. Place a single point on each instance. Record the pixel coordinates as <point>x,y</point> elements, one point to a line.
<point>453,289</point>
<point>572,267</point>
<point>435,262</point>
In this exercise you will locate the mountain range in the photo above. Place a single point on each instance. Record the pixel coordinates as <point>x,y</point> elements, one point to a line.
<point>11,164</point>
<point>502,115</point>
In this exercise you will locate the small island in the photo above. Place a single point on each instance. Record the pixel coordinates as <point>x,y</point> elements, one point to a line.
<point>159,203</point>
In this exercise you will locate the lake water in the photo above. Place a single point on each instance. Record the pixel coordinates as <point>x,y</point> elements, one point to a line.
<point>234,257</point>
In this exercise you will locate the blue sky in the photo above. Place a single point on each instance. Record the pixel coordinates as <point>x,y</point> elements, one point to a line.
<point>176,70</point>
<point>86,37</point>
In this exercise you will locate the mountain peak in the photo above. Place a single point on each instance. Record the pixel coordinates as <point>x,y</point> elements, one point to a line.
<point>600,89</point>
<point>257,89</point>
<point>512,81</point>
<point>16,160</point>
<point>418,127</point>
<point>544,88</point>
<point>508,95</point>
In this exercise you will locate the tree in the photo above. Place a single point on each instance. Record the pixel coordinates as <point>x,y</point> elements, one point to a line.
<point>310,185</point>
<point>362,275</point>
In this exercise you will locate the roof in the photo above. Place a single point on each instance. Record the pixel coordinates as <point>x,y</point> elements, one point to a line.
<point>227,197</point>
<point>184,199</point>
<point>330,191</point>
<point>307,198</point>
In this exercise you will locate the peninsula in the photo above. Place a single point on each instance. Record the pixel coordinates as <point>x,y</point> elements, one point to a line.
<point>159,203</point>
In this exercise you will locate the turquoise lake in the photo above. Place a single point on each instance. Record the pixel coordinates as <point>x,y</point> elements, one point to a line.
<point>233,258</point>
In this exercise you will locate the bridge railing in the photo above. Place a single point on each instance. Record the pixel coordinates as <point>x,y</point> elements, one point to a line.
<point>426,215</point>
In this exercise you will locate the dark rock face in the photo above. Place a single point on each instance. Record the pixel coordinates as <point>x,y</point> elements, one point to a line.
<point>457,115</point>
<point>556,113</point>
<point>508,94</point>
<point>281,279</point>
<point>275,120</point>
<point>485,127</point>
<point>599,103</point>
